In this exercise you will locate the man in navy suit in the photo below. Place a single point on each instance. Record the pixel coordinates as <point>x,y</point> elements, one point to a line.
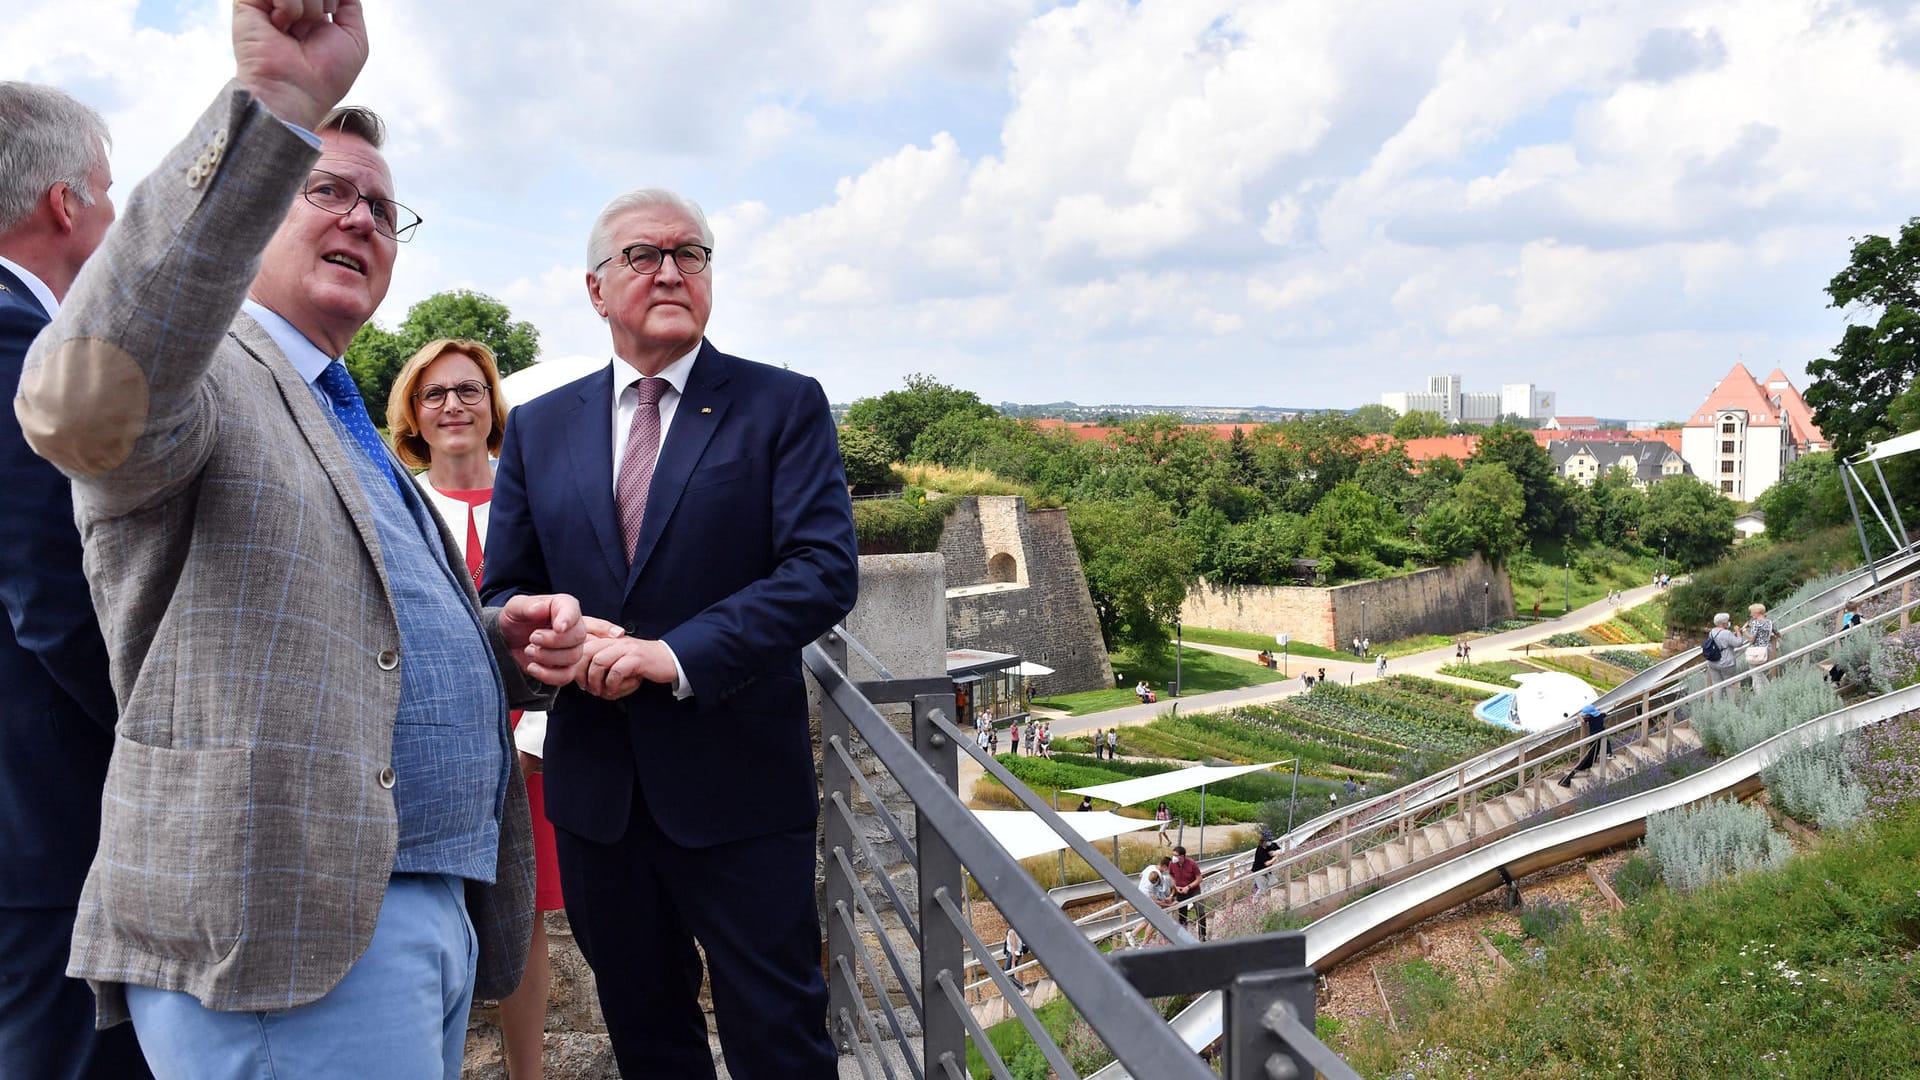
<point>696,499</point>
<point>57,707</point>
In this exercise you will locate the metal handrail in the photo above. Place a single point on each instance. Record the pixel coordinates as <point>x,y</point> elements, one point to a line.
<point>946,837</point>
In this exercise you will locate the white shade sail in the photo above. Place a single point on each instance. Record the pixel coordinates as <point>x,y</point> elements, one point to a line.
<point>1886,448</point>
<point>1146,788</point>
<point>1031,669</point>
<point>530,382</point>
<point>1024,835</point>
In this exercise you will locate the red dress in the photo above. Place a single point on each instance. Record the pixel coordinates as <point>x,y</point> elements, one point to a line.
<point>546,890</point>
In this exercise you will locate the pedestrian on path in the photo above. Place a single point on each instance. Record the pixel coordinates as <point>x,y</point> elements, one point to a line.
<point>1466,654</point>
<point>1113,741</point>
<point>1380,668</point>
<point>1099,743</point>
<point>1366,647</point>
<point>1015,740</point>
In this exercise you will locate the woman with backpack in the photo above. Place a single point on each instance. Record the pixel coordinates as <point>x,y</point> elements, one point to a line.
<point>1719,649</point>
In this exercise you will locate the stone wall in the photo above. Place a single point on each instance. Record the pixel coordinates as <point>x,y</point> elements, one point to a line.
<point>901,618</point>
<point>1040,609</point>
<point>1443,600</point>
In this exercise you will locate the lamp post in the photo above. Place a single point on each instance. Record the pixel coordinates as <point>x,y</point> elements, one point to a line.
<point>1363,621</point>
<point>1486,603</point>
<point>1569,602</point>
<point>1663,555</point>
<point>1176,662</point>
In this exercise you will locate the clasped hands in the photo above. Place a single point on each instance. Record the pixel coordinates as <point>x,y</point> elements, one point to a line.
<point>553,643</point>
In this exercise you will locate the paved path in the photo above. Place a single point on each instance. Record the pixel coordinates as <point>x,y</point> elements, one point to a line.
<point>1502,646</point>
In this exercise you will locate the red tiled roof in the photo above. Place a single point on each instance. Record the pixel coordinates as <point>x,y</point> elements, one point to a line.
<point>1740,390</point>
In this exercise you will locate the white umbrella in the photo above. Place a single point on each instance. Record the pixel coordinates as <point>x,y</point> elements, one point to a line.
<point>1030,669</point>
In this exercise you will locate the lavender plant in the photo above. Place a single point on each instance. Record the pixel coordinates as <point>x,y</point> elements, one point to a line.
<point>1695,847</point>
<point>1791,698</point>
<point>1886,760</point>
<point>1814,784</point>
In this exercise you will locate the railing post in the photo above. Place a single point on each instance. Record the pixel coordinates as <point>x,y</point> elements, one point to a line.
<point>1252,1042</point>
<point>837,780</point>
<point>945,1034</point>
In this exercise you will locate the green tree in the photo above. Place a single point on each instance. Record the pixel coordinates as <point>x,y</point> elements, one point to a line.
<point>901,415</point>
<point>1695,521</point>
<point>1375,419</point>
<point>1614,509</point>
<point>1418,424</point>
<point>1354,529</point>
<point>375,356</point>
<point>1528,462</point>
<point>1483,513</point>
<point>1138,567</point>
<point>1852,389</point>
<point>1808,497</point>
<point>868,457</point>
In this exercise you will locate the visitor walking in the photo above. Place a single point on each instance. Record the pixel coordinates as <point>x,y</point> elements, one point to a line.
<point>1763,641</point>
<point>1380,667</point>
<point>1718,650</point>
<point>1113,741</point>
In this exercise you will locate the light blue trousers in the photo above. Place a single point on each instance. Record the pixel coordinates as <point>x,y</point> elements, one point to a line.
<point>401,1012</point>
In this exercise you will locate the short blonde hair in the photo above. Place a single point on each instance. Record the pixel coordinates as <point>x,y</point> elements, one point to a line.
<point>407,441</point>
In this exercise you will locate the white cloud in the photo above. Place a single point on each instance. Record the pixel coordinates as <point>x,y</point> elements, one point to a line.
<point>1039,200</point>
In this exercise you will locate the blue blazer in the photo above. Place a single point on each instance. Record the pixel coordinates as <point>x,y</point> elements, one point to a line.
<point>57,706</point>
<point>746,555</point>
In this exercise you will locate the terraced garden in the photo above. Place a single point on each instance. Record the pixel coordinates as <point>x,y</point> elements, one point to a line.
<point>1380,734</point>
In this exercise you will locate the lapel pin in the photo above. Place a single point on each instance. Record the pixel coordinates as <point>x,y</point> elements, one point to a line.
<point>705,409</point>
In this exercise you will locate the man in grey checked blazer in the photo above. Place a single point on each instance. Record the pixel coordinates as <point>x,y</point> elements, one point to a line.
<point>310,773</point>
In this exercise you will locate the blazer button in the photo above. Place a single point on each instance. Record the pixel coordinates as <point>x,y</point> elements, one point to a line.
<point>388,659</point>
<point>632,628</point>
<point>386,777</point>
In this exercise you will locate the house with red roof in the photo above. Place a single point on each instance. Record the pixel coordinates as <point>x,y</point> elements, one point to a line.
<point>1743,435</point>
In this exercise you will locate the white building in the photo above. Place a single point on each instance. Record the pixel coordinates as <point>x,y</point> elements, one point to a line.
<point>1443,396</point>
<point>1741,438</point>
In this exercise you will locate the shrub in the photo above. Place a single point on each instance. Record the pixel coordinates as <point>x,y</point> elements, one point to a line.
<point>1542,919</point>
<point>1635,878</point>
<point>1789,699</point>
<point>1695,847</point>
<point>1568,640</point>
<point>1029,1063</point>
<point>895,526</point>
<point>1814,785</point>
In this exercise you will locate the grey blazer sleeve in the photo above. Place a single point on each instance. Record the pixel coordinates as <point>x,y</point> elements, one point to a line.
<point>115,391</point>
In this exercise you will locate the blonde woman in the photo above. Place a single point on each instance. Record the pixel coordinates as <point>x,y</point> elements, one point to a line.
<point>446,415</point>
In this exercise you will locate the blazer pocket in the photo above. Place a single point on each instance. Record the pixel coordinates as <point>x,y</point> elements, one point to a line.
<point>175,838</point>
<point>723,473</point>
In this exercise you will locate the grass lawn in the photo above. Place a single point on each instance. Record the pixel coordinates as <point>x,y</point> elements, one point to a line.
<point>1204,672</point>
<point>1544,576</point>
<point>1416,644</point>
<point>1802,971</point>
<point>1241,639</point>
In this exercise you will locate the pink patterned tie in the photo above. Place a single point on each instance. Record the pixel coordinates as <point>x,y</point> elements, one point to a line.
<point>637,461</point>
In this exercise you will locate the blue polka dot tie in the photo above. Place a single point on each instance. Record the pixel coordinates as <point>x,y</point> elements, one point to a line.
<point>352,411</point>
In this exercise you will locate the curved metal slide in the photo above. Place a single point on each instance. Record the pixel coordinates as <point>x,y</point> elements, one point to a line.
<point>1380,915</point>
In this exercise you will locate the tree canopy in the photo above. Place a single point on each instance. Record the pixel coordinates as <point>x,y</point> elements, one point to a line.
<point>1874,362</point>
<point>899,416</point>
<point>375,356</point>
<point>1690,517</point>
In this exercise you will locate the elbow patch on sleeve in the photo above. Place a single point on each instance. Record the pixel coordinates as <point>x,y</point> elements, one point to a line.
<point>84,405</point>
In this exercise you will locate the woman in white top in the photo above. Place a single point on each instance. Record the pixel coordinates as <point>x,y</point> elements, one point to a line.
<point>447,415</point>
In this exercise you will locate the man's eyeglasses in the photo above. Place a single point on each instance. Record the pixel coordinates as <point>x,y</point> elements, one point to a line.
<point>469,393</point>
<point>646,258</point>
<point>338,195</point>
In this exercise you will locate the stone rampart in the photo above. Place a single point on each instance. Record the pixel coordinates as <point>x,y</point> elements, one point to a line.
<point>1442,600</point>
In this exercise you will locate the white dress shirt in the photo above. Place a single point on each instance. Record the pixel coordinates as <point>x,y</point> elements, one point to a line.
<point>35,286</point>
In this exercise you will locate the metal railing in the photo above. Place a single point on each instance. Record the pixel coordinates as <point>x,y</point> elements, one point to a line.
<point>896,838</point>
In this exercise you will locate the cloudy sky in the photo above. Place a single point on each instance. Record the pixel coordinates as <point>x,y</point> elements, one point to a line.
<point>1167,201</point>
